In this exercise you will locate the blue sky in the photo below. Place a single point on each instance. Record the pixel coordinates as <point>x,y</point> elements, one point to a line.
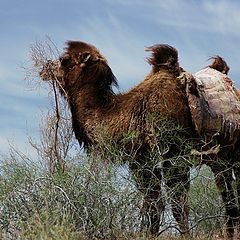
<point>121,29</point>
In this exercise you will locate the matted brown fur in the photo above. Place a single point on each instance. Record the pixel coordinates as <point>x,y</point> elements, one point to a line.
<point>87,80</point>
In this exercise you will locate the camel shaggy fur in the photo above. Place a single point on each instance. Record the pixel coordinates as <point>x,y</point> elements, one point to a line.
<point>85,79</point>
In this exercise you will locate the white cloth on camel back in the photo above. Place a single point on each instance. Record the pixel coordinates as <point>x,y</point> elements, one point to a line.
<point>217,108</point>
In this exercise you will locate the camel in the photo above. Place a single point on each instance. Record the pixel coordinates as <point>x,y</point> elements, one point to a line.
<point>145,112</point>
<point>85,79</point>
<point>216,115</point>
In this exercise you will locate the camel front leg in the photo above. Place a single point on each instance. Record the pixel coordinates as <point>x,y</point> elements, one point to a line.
<point>152,209</point>
<point>148,180</point>
<point>178,184</point>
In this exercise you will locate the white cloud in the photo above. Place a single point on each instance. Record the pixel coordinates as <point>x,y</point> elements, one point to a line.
<point>225,16</point>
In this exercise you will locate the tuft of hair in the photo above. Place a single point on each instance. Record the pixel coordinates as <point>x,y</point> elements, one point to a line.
<point>75,47</point>
<point>96,63</point>
<point>163,55</point>
<point>219,64</point>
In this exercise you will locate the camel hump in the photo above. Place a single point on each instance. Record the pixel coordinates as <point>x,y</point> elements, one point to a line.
<point>163,55</point>
<point>219,64</point>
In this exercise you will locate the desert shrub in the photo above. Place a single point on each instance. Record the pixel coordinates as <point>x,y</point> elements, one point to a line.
<point>207,209</point>
<point>90,198</point>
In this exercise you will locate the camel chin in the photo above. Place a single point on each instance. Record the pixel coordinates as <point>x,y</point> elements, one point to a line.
<point>51,70</point>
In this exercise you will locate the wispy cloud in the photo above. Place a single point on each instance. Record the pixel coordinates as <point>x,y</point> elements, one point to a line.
<point>124,49</point>
<point>225,16</point>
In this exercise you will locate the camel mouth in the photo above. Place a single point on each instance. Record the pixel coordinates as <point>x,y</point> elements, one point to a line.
<point>50,70</point>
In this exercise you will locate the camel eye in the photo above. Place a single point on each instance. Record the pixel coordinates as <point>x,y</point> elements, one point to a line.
<point>66,62</point>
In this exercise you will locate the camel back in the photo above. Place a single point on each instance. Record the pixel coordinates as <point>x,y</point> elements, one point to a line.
<point>217,108</point>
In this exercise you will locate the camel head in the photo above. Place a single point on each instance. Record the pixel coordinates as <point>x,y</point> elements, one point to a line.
<point>219,64</point>
<point>81,64</point>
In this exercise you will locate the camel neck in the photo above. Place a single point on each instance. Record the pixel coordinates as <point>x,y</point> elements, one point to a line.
<point>90,97</point>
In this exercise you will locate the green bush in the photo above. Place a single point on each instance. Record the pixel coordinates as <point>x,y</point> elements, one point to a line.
<point>91,197</point>
<point>207,209</point>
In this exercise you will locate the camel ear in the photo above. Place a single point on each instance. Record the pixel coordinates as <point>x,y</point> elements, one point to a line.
<point>84,57</point>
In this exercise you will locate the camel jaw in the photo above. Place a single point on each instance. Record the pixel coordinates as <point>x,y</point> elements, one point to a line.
<point>51,70</point>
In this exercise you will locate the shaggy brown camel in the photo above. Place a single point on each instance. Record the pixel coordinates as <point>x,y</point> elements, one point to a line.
<point>216,114</point>
<point>85,79</point>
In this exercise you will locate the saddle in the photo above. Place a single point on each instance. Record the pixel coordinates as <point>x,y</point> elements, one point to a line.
<point>214,103</point>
